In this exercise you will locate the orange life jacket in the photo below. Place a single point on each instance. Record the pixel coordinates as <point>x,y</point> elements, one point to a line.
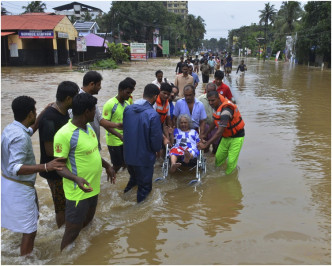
<point>161,109</point>
<point>235,124</point>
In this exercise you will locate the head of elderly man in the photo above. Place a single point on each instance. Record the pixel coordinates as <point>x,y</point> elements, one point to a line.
<point>210,87</point>
<point>189,93</point>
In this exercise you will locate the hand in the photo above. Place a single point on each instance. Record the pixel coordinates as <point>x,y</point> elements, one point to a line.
<point>83,184</point>
<point>110,174</point>
<point>57,164</point>
<point>167,142</point>
<point>119,126</point>
<point>201,146</point>
<point>202,136</point>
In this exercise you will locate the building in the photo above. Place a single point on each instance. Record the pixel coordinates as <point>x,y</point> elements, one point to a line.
<point>86,27</point>
<point>37,39</point>
<point>77,11</point>
<point>96,48</point>
<point>177,7</point>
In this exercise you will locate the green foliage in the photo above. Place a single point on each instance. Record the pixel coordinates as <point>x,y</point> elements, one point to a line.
<point>86,16</point>
<point>106,63</point>
<point>34,7</point>
<point>314,36</point>
<point>117,52</point>
<point>135,21</point>
<point>215,44</point>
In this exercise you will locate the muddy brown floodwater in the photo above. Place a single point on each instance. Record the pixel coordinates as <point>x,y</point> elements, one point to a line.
<point>275,209</point>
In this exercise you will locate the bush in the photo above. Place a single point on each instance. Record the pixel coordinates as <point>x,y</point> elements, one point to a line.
<point>117,52</point>
<point>106,63</point>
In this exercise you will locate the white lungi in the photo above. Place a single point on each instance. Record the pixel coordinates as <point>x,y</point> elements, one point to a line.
<point>19,211</point>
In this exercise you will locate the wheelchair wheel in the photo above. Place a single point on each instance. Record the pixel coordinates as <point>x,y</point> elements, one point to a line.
<point>165,168</point>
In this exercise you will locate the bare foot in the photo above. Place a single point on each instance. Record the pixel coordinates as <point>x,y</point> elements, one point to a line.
<point>174,167</point>
<point>187,156</point>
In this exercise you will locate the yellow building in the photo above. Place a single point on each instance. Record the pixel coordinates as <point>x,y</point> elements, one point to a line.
<point>37,39</point>
<point>177,7</point>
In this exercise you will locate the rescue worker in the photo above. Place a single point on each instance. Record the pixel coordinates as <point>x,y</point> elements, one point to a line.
<point>230,126</point>
<point>163,109</point>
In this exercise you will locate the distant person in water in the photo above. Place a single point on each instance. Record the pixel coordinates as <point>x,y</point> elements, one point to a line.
<point>242,67</point>
<point>228,65</point>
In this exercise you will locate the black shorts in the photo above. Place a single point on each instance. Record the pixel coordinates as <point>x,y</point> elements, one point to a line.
<point>77,214</point>
<point>116,153</point>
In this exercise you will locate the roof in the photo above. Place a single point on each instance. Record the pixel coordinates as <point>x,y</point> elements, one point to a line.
<point>43,21</point>
<point>85,25</point>
<point>94,40</point>
<point>7,33</point>
<point>38,14</point>
<point>71,6</point>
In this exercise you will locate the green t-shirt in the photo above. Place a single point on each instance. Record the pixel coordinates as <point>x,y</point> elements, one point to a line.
<point>80,148</point>
<point>113,111</point>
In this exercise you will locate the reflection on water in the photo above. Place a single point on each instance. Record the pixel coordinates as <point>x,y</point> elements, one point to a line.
<point>274,209</point>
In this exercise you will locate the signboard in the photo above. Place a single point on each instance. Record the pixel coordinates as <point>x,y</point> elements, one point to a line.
<point>156,38</point>
<point>36,34</point>
<point>81,44</point>
<point>165,47</point>
<point>63,35</point>
<point>138,51</point>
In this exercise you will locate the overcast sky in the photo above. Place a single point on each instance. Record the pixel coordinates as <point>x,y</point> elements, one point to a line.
<point>219,16</point>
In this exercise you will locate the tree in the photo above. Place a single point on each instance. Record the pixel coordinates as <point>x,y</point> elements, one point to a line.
<point>3,10</point>
<point>86,16</point>
<point>194,31</point>
<point>137,20</point>
<point>267,15</point>
<point>34,7</point>
<point>314,37</point>
<point>288,15</point>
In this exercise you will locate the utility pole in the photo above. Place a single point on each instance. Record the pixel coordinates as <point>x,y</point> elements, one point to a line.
<point>119,32</point>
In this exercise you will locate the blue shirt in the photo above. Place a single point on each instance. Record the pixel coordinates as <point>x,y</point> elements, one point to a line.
<point>171,109</point>
<point>16,150</point>
<point>198,112</point>
<point>211,63</point>
<point>195,76</point>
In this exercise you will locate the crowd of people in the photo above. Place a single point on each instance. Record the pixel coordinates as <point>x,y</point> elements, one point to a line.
<point>136,134</point>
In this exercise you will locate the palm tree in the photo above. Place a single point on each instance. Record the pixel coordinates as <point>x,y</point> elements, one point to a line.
<point>288,14</point>
<point>266,16</point>
<point>34,7</point>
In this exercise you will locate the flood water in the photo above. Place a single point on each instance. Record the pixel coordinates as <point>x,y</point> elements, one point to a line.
<point>275,209</point>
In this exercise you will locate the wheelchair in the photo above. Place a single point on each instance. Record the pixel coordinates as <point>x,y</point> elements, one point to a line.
<point>198,163</point>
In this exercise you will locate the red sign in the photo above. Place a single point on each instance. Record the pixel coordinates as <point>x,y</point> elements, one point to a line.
<point>138,56</point>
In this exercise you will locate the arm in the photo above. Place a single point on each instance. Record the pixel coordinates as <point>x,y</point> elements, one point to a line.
<point>108,125</point>
<point>218,134</point>
<point>109,171</point>
<point>81,182</point>
<point>35,126</point>
<point>238,69</point>
<point>57,164</point>
<point>174,121</point>
<point>201,128</point>
<point>114,132</point>
<point>156,134</point>
<point>176,81</point>
<point>169,121</point>
<point>211,127</point>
